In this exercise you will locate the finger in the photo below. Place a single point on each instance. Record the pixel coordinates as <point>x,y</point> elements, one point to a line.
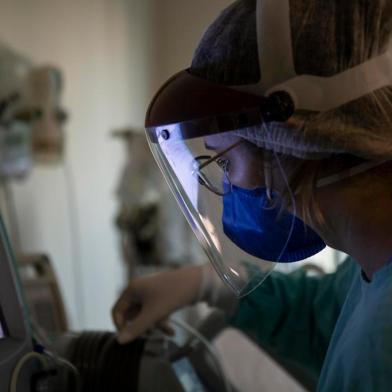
<point>119,312</point>
<point>135,328</point>
<point>166,328</point>
<point>125,302</point>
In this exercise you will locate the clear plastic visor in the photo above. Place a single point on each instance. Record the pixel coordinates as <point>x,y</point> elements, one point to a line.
<point>219,182</point>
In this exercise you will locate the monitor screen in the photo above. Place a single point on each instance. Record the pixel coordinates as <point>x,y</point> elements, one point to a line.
<point>187,376</point>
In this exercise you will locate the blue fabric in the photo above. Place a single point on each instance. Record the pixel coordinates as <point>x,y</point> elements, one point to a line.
<point>338,326</point>
<point>359,357</point>
<point>265,232</point>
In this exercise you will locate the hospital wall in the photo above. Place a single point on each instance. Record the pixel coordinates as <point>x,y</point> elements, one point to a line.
<point>114,54</point>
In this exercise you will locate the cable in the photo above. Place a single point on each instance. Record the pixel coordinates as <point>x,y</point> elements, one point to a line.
<point>74,231</point>
<point>65,362</point>
<point>210,348</point>
<point>12,214</point>
<point>39,334</point>
<point>20,364</point>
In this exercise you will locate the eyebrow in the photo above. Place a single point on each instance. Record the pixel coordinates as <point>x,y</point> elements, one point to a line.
<point>219,154</point>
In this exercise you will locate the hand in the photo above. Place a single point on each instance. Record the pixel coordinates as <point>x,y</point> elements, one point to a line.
<point>148,301</point>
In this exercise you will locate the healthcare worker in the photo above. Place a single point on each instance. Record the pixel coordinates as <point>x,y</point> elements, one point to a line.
<point>277,141</point>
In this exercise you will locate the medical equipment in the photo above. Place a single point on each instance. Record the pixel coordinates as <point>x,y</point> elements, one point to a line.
<point>16,340</point>
<point>150,363</point>
<point>31,116</point>
<point>92,361</point>
<point>43,296</point>
<point>146,209</point>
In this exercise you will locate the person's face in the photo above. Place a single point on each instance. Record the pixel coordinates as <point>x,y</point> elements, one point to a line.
<point>246,170</point>
<point>244,161</point>
<point>246,165</point>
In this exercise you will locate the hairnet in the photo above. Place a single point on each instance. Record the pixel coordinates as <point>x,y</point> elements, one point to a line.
<point>327,38</point>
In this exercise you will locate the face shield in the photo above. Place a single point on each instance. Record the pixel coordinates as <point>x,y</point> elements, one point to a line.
<point>224,184</point>
<point>228,189</point>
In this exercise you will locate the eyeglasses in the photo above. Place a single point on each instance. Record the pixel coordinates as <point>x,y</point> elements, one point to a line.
<point>212,171</point>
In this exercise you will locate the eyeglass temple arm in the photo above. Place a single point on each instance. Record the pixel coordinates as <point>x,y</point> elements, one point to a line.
<point>219,154</point>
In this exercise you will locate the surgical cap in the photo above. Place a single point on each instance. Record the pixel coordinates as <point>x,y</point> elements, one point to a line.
<point>327,38</point>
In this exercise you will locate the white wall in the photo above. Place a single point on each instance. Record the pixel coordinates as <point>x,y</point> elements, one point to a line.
<point>114,54</point>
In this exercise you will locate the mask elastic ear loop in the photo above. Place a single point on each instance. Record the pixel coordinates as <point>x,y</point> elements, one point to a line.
<point>268,175</point>
<point>292,199</point>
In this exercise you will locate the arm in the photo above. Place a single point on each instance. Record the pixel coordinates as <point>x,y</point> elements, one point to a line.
<point>294,315</point>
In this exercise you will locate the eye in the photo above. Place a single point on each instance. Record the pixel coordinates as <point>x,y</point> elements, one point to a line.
<point>222,163</point>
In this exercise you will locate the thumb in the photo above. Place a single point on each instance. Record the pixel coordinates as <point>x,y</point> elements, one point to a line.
<point>134,328</point>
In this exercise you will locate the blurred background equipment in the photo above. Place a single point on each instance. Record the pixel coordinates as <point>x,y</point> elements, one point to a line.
<point>30,114</point>
<point>153,232</point>
<point>15,138</point>
<point>43,295</point>
<point>15,341</point>
<point>44,113</point>
<point>138,193</point>
<point>31,120</point>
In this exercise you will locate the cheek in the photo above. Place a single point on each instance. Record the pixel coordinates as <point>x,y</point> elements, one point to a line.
<point>245,172</point>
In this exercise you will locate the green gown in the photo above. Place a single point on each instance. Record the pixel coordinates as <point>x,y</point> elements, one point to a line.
<point>338,326</point>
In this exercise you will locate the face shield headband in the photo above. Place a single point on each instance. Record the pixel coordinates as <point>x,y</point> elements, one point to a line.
<point>190,116</point>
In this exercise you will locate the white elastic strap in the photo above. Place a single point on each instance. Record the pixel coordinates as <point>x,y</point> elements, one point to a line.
<point>347,173</point>
<point>313,93</point>
<point>326,93</point>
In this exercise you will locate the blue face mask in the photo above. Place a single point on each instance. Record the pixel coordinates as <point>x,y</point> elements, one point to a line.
<point>262,231</point>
